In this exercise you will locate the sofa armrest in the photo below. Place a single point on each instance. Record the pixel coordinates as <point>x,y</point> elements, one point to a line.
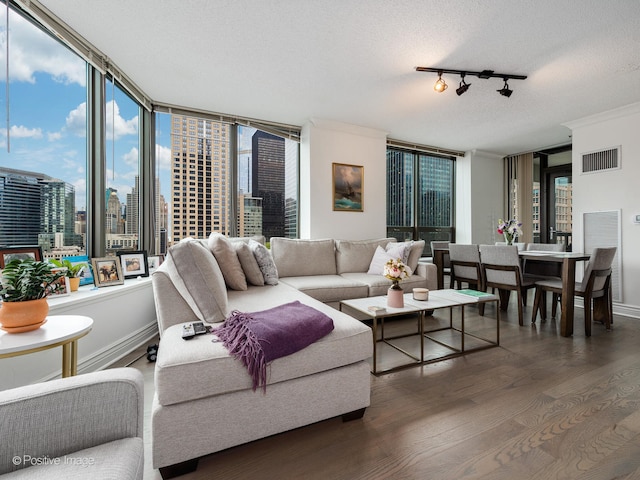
<point>430,272</point>
<point>59,417</point>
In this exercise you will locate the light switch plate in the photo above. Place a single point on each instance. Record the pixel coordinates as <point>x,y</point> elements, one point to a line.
<point>636,219</point>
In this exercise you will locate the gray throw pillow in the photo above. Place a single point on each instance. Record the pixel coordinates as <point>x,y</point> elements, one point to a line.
<point>197,277</point>
<point>249,263</point>
<point>265,262</point>
<point>227,258</point>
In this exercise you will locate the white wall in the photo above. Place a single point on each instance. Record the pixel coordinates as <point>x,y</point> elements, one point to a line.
<point>479,197</point>
<point>323,143</point>
<point>124,317</point>
<point>611,190</point>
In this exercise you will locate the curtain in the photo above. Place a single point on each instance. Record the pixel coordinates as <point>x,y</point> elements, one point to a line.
<point>519,192</point>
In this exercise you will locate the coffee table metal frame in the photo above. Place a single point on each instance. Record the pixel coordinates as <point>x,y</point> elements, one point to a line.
<point>438,299</point>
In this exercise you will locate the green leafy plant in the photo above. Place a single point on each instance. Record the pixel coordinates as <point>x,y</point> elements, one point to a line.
<point>24,280</point>
<point>73,270</point>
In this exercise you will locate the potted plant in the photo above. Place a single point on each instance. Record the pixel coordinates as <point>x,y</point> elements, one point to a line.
<point>73,271</point>
<point>24,288</point>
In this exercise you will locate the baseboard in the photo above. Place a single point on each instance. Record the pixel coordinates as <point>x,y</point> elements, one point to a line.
<point>622,309</point>
<point>114,352</point>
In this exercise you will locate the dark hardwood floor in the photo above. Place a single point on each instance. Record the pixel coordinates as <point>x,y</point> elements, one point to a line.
<point>540,406</point>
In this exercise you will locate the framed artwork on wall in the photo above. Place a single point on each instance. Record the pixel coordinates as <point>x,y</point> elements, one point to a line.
<point>134,264</point>
<point>23,252</point>
<point>348,187</point>
<point>107,271</point>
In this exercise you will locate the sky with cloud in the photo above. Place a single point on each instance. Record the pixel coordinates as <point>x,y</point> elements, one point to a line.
<point>47,114</point>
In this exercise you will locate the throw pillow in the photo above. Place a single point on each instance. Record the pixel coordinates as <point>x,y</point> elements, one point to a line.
<point>249,264</point>
<point>227,258</point>
<point>380,257</point>
<point>399,250</point>
<point>197,277</point>
<point>265,262</point>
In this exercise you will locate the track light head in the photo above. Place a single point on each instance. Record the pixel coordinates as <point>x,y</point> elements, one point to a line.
<point>463,86</point>
<point>505,91</point>
<point>440,85</point>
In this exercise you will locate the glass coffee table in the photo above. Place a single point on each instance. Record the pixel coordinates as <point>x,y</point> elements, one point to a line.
<point>375,309</point>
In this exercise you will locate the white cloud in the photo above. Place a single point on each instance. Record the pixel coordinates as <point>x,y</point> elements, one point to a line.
<point>76,122</point>
<point>53,136</point>
<point>32,51</point>
<point>131,158</point>
<point>116,125</point>
<point>163,157</point>
<point>20,131</point>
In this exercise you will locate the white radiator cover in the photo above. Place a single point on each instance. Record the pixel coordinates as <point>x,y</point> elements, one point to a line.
<point>603,229</point>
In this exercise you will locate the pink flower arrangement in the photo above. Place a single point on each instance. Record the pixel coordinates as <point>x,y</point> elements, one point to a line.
<point>395,270</point>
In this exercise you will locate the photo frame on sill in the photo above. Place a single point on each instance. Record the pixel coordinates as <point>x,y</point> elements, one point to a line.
<point>348,187</point>
<point>86,275</point>
<point>153,262</point>
<point>64,285</point>
<point>107,271</point>
<point>134,263</point>
<point>22,252</point>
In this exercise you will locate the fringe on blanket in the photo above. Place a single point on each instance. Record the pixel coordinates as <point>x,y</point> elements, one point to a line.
<point>237,336</point>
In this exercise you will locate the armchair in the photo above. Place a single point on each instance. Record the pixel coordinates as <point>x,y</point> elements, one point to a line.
<point>87,426</point>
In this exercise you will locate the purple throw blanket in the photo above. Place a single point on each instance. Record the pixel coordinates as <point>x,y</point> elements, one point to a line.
<point>257,338</point>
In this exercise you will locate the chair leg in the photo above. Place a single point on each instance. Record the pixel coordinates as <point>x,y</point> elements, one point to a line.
<point>520,308</point>
<point>536,304</point>
<point>587,316</point>
<point>554,305</point>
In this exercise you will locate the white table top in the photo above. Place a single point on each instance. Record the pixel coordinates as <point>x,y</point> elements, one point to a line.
<point>57,330</point>
<point>437,299</point>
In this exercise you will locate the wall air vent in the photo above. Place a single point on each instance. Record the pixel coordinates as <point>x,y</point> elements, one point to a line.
<point>601,160</point>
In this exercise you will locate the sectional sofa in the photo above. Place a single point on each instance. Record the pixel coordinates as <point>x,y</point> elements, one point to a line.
<point>204,401</point>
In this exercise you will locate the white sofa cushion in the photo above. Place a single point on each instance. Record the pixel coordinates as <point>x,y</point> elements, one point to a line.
<point>249,263</point>
<point>356,255</point>
<point>199,368</point>
<point>228,261</point>
<point>328,288</point>
<point>197,277</point>
<point>295,258</point>
<point>265,262</point>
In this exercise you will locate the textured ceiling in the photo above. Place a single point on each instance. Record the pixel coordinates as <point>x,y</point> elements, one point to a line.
<point>354,61</point>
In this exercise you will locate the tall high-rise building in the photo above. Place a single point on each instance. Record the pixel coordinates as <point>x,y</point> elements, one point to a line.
<point>36,209</point>
<point>200,192</point>
<point>268,181</point>
<point>132,220</point>
<point>113,219</point>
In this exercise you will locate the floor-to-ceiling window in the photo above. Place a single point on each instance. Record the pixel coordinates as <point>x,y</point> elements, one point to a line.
<point>420,196</point>
<point>43,159</point>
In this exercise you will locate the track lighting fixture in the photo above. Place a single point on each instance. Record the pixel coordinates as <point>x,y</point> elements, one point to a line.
<point>463,85</point>
<point>441,85</point>
<point>505,91</point>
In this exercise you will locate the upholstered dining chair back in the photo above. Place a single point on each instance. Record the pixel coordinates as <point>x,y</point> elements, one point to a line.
<point>501,255</point>
<point>465,264</point>
<point>546,247</point>
<point>601,259</point>
<point>439,244</point>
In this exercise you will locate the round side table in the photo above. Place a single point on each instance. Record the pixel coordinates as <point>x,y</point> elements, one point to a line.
<point>59,330</point>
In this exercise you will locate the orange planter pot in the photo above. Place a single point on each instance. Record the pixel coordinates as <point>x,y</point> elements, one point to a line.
<point>74,283</point>
<point>16,317</point>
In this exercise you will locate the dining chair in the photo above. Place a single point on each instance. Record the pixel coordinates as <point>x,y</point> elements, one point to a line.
<point>543,269</point>
<point>446,262</point>
<point>465,266</point>
<point>596,283</point>
<point>521,245</point>
<point>501,269</point>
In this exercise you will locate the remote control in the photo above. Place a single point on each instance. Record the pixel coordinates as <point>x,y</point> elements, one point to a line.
<point>188,331</point>
<point>199,328</point>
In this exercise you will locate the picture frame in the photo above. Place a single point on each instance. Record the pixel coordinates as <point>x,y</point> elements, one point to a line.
<point>63,282</point>
<point>86,278</point>
<point>153,262</point>
<point>134,263</point>
<point>107,271</point>
<point>348,187</point>
<point>25,251</point>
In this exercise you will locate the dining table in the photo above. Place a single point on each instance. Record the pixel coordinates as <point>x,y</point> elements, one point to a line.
<point>568,261</point>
